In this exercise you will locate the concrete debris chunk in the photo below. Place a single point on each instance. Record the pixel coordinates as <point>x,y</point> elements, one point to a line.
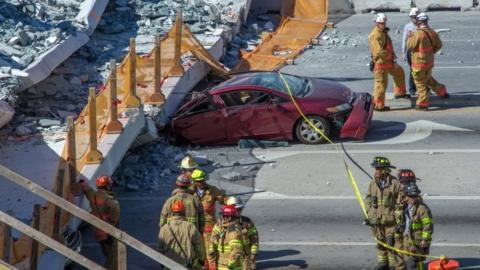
<point>49,122</point>
<point>232,176</point>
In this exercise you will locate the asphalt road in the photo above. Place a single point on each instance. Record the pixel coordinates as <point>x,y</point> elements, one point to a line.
<point>299,196</point>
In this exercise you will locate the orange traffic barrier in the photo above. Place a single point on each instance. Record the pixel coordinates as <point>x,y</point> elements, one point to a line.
<point>445,264</point>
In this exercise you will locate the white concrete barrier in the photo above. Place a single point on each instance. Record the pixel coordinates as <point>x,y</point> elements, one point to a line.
<point>6,113</point>
<point>426,4</point>
<point>367,5</point>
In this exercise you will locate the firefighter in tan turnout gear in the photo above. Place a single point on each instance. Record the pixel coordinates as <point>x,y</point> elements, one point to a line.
<point>226,250</point>
<point>250,234</point>
<point>105,207</point>
<point>423,44</point>
<point>416,229</point>
<point>208,196</point>
<point>193,208</point>
<point>180,240</point>
<point>380,202</point>
<point>384,64</point>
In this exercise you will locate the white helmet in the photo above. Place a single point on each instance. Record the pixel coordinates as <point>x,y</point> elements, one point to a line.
<point>422,17</point>
<point>414,12</point>
<point>381,18</point>
<point>236,201</point>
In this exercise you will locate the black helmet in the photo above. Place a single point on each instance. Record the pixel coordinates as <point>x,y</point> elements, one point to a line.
<point>406,175</point>
<point>412,190</point>
<point>381,162</point>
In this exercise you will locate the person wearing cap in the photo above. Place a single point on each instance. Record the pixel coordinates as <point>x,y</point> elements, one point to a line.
<point>380,203</point>
<point>423,44</point>
<point>208,195</point>
<point>250,234</point>
<point>405,177</point>
<point>226,250</point>
<point>180,240</point>
<point>409,28</point>
<point>417,228</point>
<point>106,207</point>
<point>187,165</point>
<point>384,64</point>
<point>193,208</point>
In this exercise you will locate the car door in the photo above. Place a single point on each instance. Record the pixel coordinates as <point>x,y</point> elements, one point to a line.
<point>203,123</point>
<point>249,115</point>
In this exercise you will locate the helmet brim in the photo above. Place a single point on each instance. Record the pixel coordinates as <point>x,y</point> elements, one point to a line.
<point>382,166</point>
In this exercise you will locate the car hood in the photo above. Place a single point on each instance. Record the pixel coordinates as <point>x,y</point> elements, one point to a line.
<point>329,90</point>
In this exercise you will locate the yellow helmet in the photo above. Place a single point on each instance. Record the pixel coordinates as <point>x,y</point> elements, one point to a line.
<point>188,163</point>
<point>199,175</point>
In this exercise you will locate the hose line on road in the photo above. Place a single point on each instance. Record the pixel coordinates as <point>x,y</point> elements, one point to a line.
<point>351,178</point>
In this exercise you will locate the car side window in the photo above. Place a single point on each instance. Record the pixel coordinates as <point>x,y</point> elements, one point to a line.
<point>245,97</point>
<point>204,106</point>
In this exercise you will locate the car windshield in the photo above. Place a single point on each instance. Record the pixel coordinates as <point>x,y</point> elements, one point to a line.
<point>299,87</point>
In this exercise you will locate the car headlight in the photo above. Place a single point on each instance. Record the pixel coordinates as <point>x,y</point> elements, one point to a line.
<point>345,107</point>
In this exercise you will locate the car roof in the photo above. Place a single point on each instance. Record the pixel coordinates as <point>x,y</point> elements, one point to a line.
<point>240,79</point>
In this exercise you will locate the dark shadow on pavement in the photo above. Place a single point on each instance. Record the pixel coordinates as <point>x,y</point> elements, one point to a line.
<point>265,259</point>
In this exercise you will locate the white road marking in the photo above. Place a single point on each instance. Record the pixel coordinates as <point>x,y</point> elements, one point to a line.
<point>276,154</point>
<point>277,196</point>
<point>327,244</point>
<point>456,67</point>
<point>314,243</point>
<point>268,195</point>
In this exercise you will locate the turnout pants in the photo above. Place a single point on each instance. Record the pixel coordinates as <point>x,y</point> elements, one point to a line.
<point>385,234</point>
<point>109,250</point>
<point>381,83</point>
<point>406,262</point>
<point>424,81</point>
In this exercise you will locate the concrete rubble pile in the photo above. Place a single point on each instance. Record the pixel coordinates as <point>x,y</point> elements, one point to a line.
<point>251,36</point>
<point>64,93</point>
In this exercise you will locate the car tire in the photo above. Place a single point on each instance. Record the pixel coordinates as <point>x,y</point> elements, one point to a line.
<point>307,135</point>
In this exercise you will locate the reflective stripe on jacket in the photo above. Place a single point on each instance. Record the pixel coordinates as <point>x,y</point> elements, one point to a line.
<point>193,209</point>
<point>226,246</point>
<point>381,202</point>
<point>423,44</point>
<point>381,48</point>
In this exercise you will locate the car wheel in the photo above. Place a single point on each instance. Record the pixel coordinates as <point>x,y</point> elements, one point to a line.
<point>307,135</point>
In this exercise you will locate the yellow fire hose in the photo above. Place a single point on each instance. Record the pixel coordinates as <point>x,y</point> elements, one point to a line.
<point>351,178</point>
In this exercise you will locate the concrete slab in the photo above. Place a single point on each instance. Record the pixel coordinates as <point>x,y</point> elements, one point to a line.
<point>35,159</point>
<point>368,5</point>
<point>6,113</point>
<point>429,4</point>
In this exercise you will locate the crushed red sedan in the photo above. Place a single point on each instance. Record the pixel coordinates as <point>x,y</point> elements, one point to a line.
<point>257,105</point>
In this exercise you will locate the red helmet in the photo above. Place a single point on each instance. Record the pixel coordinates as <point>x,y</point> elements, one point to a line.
<point>406,175</point>
<point>183,180</point>
<point>229,211</point>
<point>103,181</point>
<point>178,207</point>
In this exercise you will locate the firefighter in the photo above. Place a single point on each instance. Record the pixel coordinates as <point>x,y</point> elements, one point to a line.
<point>180,240</point>
<point>380,204</point>
<point>105,207</point>
<point>193,208</point>
<point>423,44</point>
<point>187,165</point>
<point>226,250</point>
<point>208,195</point>
<point>405,177</point>
<point>250,234</point>
<point>417,228</point>
<point>409,28</point>
<point>384,63</point>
